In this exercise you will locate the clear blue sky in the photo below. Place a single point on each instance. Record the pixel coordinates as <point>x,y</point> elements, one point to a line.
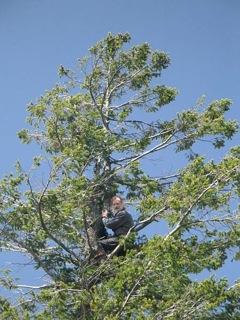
<point>36,36</point>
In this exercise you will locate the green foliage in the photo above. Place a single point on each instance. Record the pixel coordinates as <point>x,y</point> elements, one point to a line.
<point>93,145</point>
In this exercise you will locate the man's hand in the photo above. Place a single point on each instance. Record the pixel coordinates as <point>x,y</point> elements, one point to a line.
<point>104,213</point>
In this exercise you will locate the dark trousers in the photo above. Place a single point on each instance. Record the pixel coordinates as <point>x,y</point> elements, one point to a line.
<point>109,244</point>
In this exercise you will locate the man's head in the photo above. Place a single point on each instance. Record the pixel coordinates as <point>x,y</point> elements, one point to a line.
<point>117,204</point>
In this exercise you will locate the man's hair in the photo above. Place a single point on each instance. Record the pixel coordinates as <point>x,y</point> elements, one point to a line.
<point>116,197</point>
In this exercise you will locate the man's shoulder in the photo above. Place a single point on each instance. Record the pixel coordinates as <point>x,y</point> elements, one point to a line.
<point>123,211</point>
<point>126,214</point>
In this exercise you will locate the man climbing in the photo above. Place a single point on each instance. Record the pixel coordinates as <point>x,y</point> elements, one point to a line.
<point>117,219</point>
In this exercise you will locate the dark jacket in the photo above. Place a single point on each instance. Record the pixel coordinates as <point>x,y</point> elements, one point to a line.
<point>119,222</point>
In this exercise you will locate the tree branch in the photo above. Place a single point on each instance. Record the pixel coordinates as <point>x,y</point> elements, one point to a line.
<point>188,211</point>
<point>43,224</point>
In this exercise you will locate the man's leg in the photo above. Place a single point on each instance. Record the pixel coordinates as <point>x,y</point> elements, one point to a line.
<point>109,244</point>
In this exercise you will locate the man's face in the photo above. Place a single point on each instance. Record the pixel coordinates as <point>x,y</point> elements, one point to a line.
<point>117,204</point>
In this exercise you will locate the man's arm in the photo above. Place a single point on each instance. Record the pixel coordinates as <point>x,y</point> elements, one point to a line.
<point>116,221</point>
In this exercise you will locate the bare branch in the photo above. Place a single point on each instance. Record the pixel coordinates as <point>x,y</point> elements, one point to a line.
<point>158,147</point>
<point>131,292</point>
<point>12,248</point>
<point>24,286</point>
<point>188,211</point>
<point>126,80</point>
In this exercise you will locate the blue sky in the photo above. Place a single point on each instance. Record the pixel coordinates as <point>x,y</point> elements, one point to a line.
<point>36,36</point>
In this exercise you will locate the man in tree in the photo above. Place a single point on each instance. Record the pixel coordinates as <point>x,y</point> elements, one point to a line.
<point>119,121</point>
<point>117,219</point>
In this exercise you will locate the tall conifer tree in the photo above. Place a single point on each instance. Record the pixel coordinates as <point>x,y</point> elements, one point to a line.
<point>95,130</point>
